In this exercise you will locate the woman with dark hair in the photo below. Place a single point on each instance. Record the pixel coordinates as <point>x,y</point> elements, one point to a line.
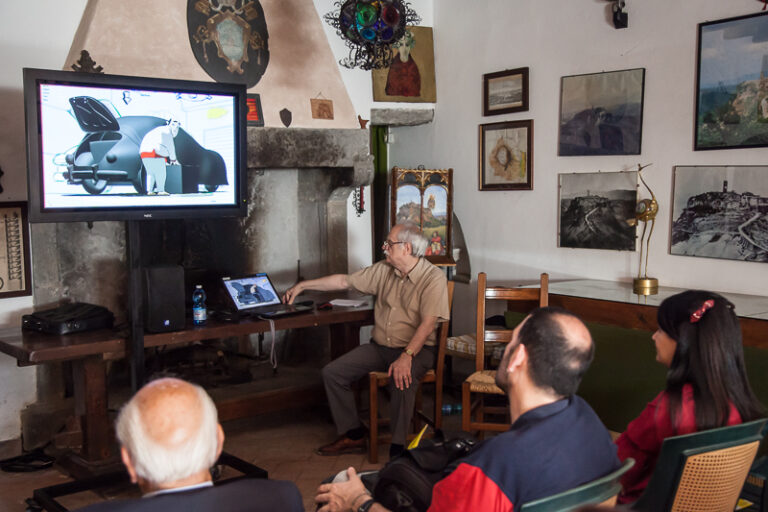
<point>699,339</point>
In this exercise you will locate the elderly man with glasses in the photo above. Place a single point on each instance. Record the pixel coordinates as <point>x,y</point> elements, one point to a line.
<point>411,296</point>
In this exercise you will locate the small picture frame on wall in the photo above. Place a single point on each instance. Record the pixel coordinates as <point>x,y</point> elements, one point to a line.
<point>14,250</point>
<point>506,155</point>
<point>254,115</point>
<point>505,92</point>
<point>732,84</point>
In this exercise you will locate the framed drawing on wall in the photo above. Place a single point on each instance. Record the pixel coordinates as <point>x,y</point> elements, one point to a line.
<point>732,83</point>
<point>720,212</point>
<point>602,113</point>
<point>594,208</point>
<point>425,197</point>
<point>505,92</point>
<point>14,250</point>
<point>506,156</point>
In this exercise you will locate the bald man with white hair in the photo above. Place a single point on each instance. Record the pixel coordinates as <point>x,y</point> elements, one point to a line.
<point>170,437</point>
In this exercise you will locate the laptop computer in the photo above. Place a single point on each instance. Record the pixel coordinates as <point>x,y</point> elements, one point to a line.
<point>256,295</point>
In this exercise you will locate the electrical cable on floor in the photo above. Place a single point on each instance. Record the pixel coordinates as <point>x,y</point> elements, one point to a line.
<point>272,355</point>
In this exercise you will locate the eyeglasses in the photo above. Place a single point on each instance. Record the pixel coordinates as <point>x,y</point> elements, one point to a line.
<point>390,243</point>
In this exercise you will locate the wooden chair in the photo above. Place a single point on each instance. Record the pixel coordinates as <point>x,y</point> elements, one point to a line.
<point>602,492</point>
<point>483,381</point>
<point>381,379</point>
<point>704,471</point>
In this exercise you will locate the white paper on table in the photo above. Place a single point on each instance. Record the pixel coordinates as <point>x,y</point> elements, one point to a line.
<point>348,303</point>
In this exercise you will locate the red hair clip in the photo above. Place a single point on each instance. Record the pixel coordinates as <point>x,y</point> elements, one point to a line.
<point>696,315</point>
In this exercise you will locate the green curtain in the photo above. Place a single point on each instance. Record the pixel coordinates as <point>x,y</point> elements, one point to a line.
<point>380,198</point>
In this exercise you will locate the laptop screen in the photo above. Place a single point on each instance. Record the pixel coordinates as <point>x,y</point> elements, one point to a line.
<point>251,291</point>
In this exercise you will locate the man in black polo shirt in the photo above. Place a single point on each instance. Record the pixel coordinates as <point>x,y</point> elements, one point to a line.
<point>555,442</point>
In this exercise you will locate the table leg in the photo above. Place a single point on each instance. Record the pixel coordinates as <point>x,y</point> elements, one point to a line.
<point>344,337</point>
<point>90,383</point>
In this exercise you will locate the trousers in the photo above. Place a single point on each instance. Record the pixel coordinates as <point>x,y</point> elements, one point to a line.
<point>339,374</point>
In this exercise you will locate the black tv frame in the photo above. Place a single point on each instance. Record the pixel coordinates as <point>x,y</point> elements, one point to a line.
<point>33,77</point>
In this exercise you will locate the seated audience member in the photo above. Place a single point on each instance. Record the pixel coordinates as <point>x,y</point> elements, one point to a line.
<point>411,296</point>
<point>555,442</point>
<point>170,437</point>
<point>699,339</point>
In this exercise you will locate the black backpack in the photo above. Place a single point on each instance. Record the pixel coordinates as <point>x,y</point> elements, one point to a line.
<point>405,484</point>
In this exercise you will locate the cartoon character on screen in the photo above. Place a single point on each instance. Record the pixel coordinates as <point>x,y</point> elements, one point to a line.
<point>157,152</point>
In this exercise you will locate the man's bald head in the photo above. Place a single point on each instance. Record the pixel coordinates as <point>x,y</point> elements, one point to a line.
<point>560,349</point>
<point>169,429</point>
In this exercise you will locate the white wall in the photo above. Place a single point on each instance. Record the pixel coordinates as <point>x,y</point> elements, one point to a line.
<point>513,233</point>
<point>38,36</point>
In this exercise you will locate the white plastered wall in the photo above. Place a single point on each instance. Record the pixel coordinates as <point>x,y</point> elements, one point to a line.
<point>512,235</point>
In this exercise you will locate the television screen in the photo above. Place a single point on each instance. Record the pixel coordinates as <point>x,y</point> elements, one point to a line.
<point>105,147</point>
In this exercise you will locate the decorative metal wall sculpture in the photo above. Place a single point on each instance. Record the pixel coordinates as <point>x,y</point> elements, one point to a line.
<point>369,28</point>
<point>229,39</point>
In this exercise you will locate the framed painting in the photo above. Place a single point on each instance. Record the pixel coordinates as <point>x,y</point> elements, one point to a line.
<point>506,156</point>
<point>720,212</point>
<point>594,209</point>
<point>732,83</point>
<point>425,197</point>
<point>254,115</point>
<point>505,92</point>
<point>411,76</point>
<point>602,113</point>
<point>14,250</point>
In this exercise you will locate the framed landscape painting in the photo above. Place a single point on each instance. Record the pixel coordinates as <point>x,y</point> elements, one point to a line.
<point>594,208</point>
<point>602,113</point>
<point>506,155</point>
<point>732,83</point>
<point>505,92</point>
<point>425,197</point>
<point>720,212</point>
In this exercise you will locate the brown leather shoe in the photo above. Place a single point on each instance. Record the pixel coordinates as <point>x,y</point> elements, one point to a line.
<point>342,445</point>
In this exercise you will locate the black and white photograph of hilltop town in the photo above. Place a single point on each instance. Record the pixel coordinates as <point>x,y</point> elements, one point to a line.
<point>721,212</point>
<point>594,209</point>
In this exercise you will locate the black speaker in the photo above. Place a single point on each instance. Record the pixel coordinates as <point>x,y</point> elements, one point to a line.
<point>164,298</point>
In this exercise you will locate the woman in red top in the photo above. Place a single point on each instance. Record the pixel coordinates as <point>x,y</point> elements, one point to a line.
<point>699,339</point>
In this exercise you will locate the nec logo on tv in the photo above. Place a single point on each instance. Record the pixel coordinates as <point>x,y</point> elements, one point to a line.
<point>147,215</point>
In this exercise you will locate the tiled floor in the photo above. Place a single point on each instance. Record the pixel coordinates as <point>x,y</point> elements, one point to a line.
<point>283,444</point>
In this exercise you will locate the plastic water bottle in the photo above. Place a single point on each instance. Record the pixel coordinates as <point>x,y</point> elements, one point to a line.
<point>199,313</point>
<point>451,409</point>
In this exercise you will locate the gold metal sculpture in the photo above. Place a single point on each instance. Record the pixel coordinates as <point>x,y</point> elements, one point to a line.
<point>645,212</point>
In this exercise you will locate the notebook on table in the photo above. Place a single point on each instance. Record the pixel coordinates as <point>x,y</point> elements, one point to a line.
<point>256,295</point>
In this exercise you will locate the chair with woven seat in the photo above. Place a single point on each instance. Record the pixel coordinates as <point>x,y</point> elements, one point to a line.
<point>602,491</point>
<point>381,379</point>
<point>482,382</point>
<point>704,471</point>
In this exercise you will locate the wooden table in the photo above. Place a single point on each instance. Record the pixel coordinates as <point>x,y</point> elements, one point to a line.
<point>614,303</point>
<point>88,351</point>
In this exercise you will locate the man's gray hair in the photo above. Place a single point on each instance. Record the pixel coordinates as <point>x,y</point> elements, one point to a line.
<point>410,233</point>
<point>158,463</point>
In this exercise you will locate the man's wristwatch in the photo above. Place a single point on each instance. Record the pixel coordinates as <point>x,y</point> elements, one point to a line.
<point>366,506</point>
<point>408,351</point>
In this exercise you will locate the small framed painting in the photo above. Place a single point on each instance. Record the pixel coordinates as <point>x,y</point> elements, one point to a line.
<point>505,92</point>
<point>506,155</point>
<point>254,116</point>
<point>732,83</point>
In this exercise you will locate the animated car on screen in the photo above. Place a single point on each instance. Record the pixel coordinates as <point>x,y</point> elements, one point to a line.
<point>109,152</point>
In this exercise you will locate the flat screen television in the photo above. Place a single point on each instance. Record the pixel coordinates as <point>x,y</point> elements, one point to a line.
<point>108,147</point>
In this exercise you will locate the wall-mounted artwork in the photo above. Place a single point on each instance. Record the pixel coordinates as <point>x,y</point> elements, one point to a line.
<point>321,108</point>
<point>14,250</point>
<point>720,212</point>
<point>506,156</point>
<point>505,92</point>
<point>602,113</point>
<point>732,83</point>
<point>411,76</point>
<point>425,198</point>
<point>229,39</point>
<point>594,209</point>
<point>255,116</point>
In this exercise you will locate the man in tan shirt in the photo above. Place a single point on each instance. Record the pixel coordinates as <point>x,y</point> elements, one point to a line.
<point>411,296</point>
